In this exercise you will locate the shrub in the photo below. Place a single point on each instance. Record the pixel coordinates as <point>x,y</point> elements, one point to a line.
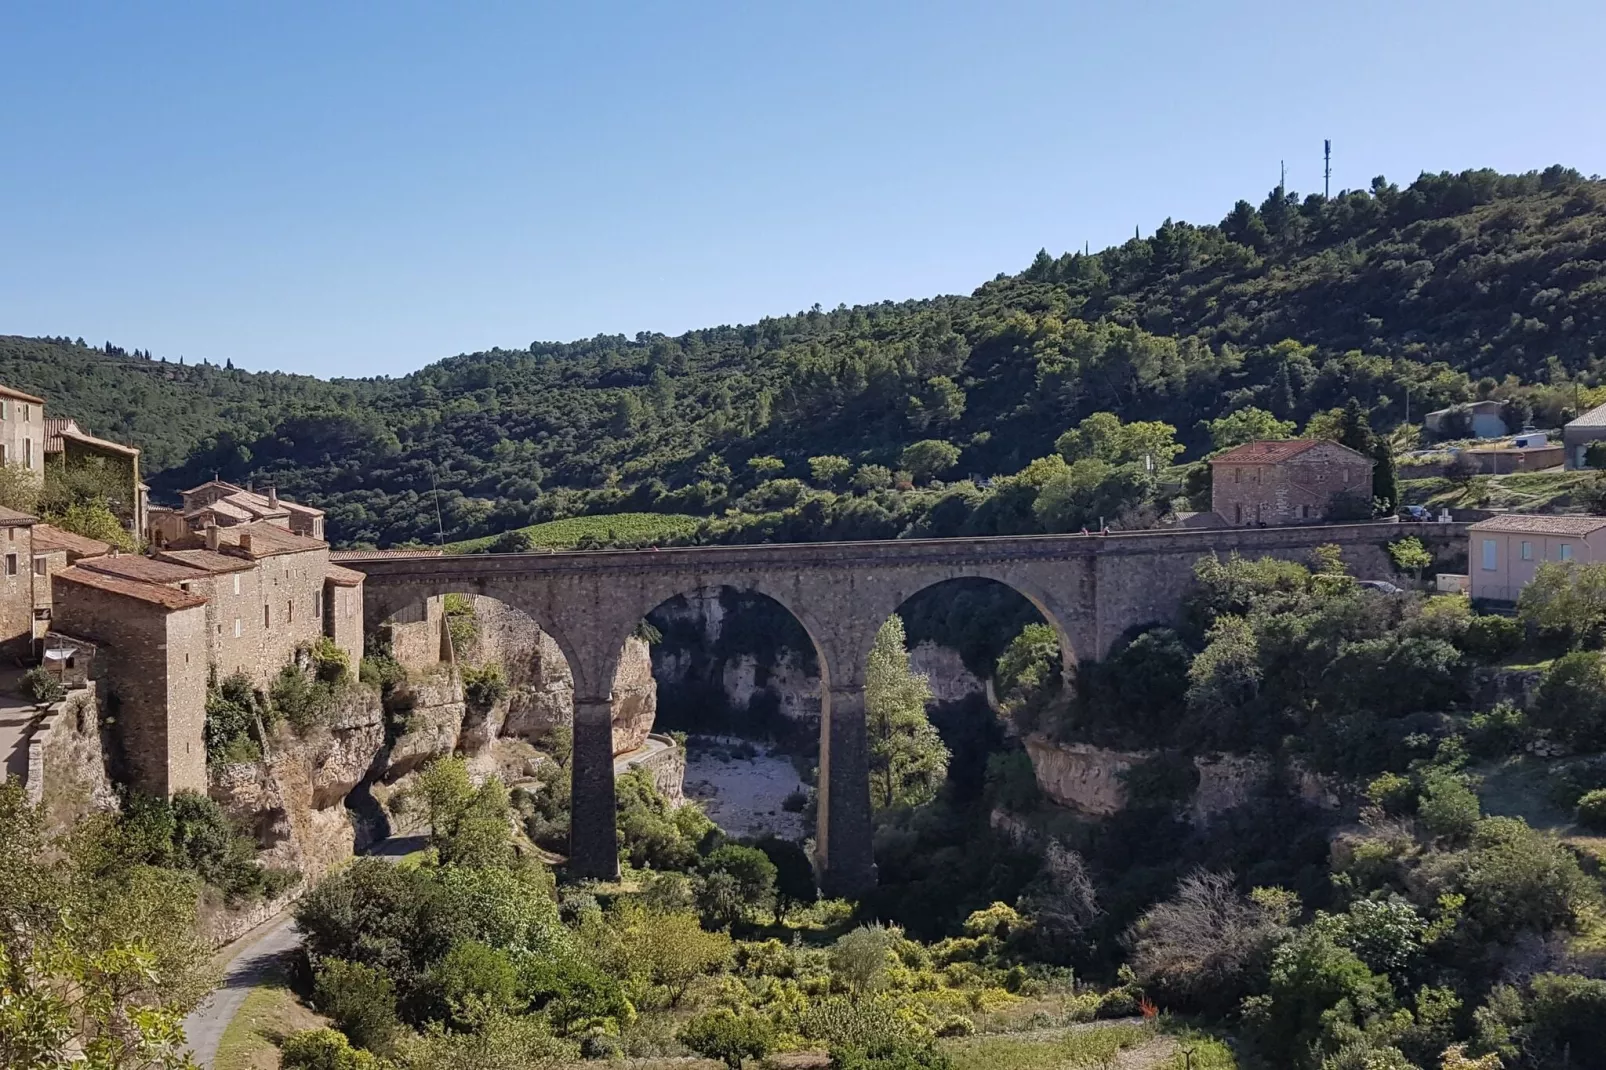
<point>1491,637</point>
<point>472,979</point>
<point>859,959</point>
<point>360,999</point>
<point>462,626</point>
<point>728,1036</point>
<point>41,686</point>
<point>323,1049</point>
<point>1572,699</point>
<point>1448,807</point>
<point>1498,732</point>
<point>752,880</point>
<point>300,698</point>
<point>1592,810</point>
<point>796,801</point>
<point>890,1054</point>
<point>483,686</point>
<point>329,663</point>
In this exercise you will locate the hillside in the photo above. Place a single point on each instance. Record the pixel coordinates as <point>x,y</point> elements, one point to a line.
<point>1454,287</point>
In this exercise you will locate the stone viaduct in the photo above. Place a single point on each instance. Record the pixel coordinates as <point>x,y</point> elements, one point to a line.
<point>1090,588</point>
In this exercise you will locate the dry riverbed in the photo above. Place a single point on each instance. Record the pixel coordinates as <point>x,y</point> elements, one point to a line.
<point>743,786</point>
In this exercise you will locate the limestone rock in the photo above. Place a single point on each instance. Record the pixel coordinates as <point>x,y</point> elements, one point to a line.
<point>1081,776</point>
<point>945,672</point>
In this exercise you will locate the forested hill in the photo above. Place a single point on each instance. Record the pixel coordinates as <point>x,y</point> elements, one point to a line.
<point>1448,287</point>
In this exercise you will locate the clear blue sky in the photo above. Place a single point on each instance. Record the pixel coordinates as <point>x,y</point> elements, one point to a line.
<point>360,189</point>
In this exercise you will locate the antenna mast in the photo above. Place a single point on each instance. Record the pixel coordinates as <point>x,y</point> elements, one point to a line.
<point>1327,169</point>
<point>1282,176</point>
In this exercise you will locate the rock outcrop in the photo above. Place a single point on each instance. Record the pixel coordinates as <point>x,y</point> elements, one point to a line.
<point>1090,780</point>
<point>945,672</point>
<point>67,762</point>
<point>293,801</point>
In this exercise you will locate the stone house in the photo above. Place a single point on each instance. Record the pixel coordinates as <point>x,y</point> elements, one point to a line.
<point>53,551</point>
<point>67,443</point>
<point>228,600</point>
<point>1290,482</point>
<point>16,582</point>
<point>22,430</point>
<point>220,504</point>
<point>152,656</point>
<point>1505,551</point>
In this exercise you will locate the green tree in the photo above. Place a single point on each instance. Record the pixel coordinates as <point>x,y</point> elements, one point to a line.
<point>908,760</point>
<point>360,999</point>
<point>1571,702</point>
<point>1566,600</point>
<point>827,470</point>
<point>324,1049</point>
<point>751,873</point>
<point>19,488</point>
<point>1103,437</point>
<point>861,957</point>
<point>1409,555</point>
<point>729,1036</point>
<point>1247,425</point>
<point>929,458</point>
<point>766,467</point>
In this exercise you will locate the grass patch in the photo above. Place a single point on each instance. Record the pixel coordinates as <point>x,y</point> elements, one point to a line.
<point>269,1014</point>
<point>1091,1045</point>
<point>614,529</point>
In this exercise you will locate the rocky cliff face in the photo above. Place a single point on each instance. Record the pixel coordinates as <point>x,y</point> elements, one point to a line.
<point>1089,779</point>
<point>294,799</point>
<point>71,767</point>
<point>945,673</point>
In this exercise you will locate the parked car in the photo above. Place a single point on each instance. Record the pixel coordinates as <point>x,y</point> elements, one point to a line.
<point>1416,512</point>
<point>1381,586</point>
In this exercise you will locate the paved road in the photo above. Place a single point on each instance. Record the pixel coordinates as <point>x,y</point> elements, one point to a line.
<point>255,955</point>
<point>252,959</point>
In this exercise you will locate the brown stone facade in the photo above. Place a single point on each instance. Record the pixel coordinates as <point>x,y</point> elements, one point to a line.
<point>1295,482</point>
<point>16,582</point>
<point>152,658</point>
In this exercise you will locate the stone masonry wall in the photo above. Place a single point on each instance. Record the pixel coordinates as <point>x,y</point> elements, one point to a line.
<point>16,588</point>
<point>153,663</point>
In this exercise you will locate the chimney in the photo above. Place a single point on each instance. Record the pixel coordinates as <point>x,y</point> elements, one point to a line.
<point>211,537</point>
<point>245,541</point>
<point>273,497</point>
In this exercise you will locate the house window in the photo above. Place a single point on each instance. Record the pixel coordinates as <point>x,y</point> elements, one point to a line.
<point>236,627</point>
<point>317,604</point>
<point>1304,512</point>
<point>1237,475</point>
<point>1238,514</point>
<point>1527,550</point>
<point>267,615</point>
<point>27,453</point>
<point>1566,551</point>
<point>290,612</point>
<point>5,409</point>
<point>1490,555</point>
<point>11,564</point>
<point>5,454</point>
<point>40,566</point>
<point>27,413</point>
<point>236,583</point>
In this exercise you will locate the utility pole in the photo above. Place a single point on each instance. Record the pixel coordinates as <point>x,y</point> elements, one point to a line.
<point>1327,169</point>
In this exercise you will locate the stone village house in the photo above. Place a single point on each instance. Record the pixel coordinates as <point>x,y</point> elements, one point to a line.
<point>1290,482</point>
<point>211,600</point>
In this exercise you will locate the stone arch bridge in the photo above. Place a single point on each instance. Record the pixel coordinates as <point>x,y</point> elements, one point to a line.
<point>1090,588</point>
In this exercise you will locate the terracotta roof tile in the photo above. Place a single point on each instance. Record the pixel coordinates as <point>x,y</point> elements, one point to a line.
<point>360,555</point>
<point>1540,524</point>
<point>48,537</point>
<point>100,443</point>
<point>269,539</point>
<point>1276,452</point>
<point>206,560</point>
<point>222,507</point>
<point>152,593</point>
<point>1595,417</point>
<point>135,567</point>
<point>344,577</point>
<point>13,518</point>
<point>12,392</point>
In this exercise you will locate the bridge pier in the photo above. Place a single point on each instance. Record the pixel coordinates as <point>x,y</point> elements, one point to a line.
<point>843,849</point>
<point>593,840</point>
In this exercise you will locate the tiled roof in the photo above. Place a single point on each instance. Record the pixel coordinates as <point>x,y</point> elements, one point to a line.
<point>1540,524</point>
<point>48,537</point>
<point>1595,417</point>
<point>1276,452</point>
<point>343,577</point>
<point>135,567</point>
<point>54,426</point>
<point>269,539</point>
<point>13,518</point>
<point>297,507</point>
<point>222,507</point>
<point>229,487</point>
<point>152,593</point>
<point>99,443</point>
<point>359,555</point>
<point>206,560</point>
<point>11,392</point>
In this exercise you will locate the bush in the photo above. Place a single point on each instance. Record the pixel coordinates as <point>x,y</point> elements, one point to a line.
<point>483,686</point>
<point>728,1036</point>
<point>360,999</point>
<point>796,801</point>
<point>1491,637</point>
<point>1448,807</point>
<point>1592,810</point>
<point>890,1054</point>
<point>1498,732</point>
<point>323,1049</point>
<point>301,698</point>
<point>1572,699</point>
<point>329,663</point>
<point>472,979</point>
<point>42,687</point>
<point>752,882</point>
